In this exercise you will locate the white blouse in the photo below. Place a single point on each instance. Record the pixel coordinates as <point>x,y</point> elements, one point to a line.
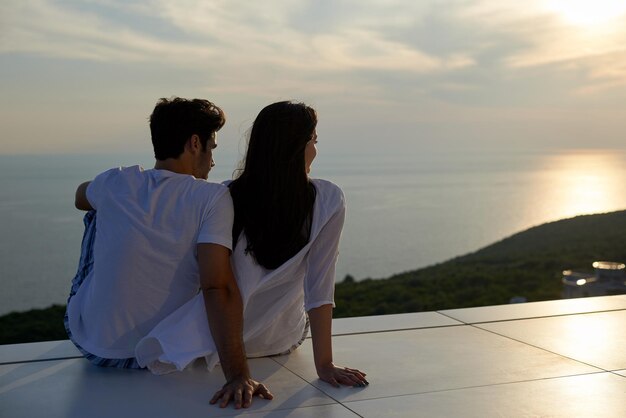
<point>275,301</point>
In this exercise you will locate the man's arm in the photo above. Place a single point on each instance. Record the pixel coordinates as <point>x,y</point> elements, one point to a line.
<point>224,311</point>
<point>80,200</point>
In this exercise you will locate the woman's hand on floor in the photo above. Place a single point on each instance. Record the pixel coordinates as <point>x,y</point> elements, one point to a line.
<point>339,375</point>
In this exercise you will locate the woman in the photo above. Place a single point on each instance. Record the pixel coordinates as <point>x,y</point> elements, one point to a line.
<point>286,237</point>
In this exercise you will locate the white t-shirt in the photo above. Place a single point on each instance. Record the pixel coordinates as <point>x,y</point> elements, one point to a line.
<point>148,226</point>
<point>274,301</point>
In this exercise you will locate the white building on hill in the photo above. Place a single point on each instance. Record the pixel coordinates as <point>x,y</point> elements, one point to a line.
<point>609,279</point>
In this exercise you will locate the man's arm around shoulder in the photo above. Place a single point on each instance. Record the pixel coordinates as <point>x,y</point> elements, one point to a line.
<point>81,202</point>
<point>224,310</point>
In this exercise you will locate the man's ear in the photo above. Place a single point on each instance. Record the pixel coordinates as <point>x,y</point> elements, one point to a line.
<point>193,144</point>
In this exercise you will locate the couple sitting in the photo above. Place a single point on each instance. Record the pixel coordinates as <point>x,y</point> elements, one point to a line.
<point>174,268</point>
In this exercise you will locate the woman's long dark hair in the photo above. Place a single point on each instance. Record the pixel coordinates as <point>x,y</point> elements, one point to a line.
<point>273,197</point>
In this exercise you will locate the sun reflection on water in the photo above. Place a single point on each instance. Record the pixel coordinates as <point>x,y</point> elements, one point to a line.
<point>583,182</point>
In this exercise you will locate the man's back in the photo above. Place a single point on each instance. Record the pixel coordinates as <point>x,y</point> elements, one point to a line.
<point>157,238</point>
<point>149,223</point>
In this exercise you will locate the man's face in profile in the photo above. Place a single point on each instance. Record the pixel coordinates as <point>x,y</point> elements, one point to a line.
<point>204,160</point>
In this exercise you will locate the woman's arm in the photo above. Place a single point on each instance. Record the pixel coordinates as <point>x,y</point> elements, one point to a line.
<point>319,289</point>
<point>321,326</point>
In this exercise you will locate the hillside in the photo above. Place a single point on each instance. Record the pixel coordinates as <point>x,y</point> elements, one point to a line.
<point>526,264</point>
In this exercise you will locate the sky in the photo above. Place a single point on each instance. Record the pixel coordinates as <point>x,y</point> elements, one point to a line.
<point>392,75</point>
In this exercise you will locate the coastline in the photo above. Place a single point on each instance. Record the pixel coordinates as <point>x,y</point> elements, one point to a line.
<point>526,264</point>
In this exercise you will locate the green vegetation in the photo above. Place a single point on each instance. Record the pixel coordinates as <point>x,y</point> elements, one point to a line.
<point>33,325</point>
<point>527,264</point>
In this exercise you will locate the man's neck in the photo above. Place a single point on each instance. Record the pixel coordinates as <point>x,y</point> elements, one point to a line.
<point>176,165</point>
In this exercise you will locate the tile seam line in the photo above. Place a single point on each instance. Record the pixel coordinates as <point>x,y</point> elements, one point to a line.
<point>541,348</point>
<point>269,411</point>
<point>529,317</point>
<point>4,363</point>
<point>460,324</point>
<point>483,386</point>
<point>321,390</point>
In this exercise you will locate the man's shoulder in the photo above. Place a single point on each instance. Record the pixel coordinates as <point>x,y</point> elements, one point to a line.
<point>205,192</point>
<point>112,177</point>
<point>173,179</point>
<point>121,171</point>
<point>208,186</point>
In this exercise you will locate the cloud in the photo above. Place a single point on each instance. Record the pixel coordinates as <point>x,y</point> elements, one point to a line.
<point>48,29</point>
<point>315,43</point>
<point>355,58</point>
<point>359,35</point>
<point>235,33</point>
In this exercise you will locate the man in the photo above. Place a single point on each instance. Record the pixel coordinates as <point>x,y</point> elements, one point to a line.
<point>158,236</point>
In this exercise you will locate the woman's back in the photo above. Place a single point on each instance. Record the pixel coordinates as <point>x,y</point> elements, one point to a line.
<point>273,196</point>
<point>277,227</point>
<point>275,300</point>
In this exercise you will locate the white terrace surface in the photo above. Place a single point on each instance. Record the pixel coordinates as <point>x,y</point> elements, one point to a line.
<point>562,358</point>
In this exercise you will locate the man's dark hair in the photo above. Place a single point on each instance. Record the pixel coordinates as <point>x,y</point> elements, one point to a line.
<point>175,120</point>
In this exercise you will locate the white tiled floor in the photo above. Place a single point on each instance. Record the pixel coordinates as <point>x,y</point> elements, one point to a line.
<point>427,360</point>
<point>40,351</point>
<point>598,339</point>
<point>397,322</point>
<point>68,388</point>
<point>568,361</point>
<point>325,411</point>
<point>594,395</point>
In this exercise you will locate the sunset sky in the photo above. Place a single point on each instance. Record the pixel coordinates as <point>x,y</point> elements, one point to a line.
<point>83,76</point>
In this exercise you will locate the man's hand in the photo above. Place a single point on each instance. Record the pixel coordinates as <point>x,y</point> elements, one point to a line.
<point>241,392</point>
<point>80,201</point>
<point>336,375</point>
<point>224,310</point>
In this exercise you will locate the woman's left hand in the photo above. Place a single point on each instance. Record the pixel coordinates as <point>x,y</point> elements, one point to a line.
<point>339,375</point>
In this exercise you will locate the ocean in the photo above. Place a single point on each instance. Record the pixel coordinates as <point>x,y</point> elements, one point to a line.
<point>404,211</point>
